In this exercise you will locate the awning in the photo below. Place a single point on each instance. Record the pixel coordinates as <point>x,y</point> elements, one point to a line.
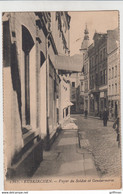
<point>69,63</point>
<point>70,103</point>
<point>67,104</point>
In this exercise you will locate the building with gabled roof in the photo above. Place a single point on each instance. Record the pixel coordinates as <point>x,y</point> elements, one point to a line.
<point>113,73</point>
<point>97,53</point>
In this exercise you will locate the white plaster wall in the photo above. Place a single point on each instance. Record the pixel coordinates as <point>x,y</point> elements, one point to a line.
<point>12,125</point>
<point>64,98</point>
<point>7,100</point>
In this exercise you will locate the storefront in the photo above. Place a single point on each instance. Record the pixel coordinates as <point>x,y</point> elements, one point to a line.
<point>103,102</point>
<point>113,108</point>
<point>92,104</point>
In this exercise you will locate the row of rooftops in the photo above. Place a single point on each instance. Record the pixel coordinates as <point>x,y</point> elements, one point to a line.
<point>75,63</point>
<point>112,38</point>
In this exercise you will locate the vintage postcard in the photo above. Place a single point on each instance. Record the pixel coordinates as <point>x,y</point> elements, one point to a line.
<point>61,86</point>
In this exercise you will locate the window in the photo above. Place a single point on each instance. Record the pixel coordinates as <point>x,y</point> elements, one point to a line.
<point>109,73</point>
<point>91,63</point>
<point>112,103</point>
<point>92,81</point>
<point>104,53</point>
<point>27,44</point>
<point>83,55</point>
<point>115,88</point>
<point>96,59</point>
<point>73,96</point>
<point>86,86</point>
<point>56,15</point>
<point>101,56</point>
<point>96,80</point>
<point>102,105</point>
<point>93,60</point>
<point>116,71</point>
<point>81,86</point>
<point>112,88</point>
<point>66,112</point>
<point>73,84</point>
<point>101,77</point>
<point>109,89</point>
<point>105,77</point>
<point>112,72</point>
<point>27,89</point>
<point>63,113</point>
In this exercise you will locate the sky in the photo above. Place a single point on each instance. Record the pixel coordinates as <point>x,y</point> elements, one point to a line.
<point>99,21</point>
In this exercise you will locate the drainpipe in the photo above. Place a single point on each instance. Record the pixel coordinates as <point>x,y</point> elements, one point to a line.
<point>47,147</point>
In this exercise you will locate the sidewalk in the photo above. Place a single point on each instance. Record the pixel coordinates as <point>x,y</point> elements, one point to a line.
<point>66,158</point>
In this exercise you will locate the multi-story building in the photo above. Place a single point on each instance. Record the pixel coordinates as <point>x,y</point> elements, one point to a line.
<point>74,92</point>
<point>70,67</point>
<point>77,91</point>
<point>86,82</point>
<point>70,72</point>
<point>31,85</point>
<point>65,103</point>
<point>78,81</point>
<point>21,94</point>
<point>59,30</point>
<point>97,53</point>
<point>81,93</point>
<point>113,73</point>
<point>84,52</point>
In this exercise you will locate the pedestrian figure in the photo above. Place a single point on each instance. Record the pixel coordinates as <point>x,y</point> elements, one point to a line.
<point>116,127</point>
<point>86,113</point>
<point>105,117</point>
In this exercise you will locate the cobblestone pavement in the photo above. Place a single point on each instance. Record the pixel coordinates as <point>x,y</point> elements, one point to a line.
<point>101,142</point>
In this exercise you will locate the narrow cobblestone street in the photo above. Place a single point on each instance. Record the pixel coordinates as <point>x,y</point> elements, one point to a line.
<point>61,76</point>
<point>101,141</point>
<point>94,153</point>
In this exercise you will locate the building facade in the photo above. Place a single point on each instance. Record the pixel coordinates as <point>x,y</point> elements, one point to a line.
<point>82,94</point>
<point>79,81</point>
<point>97,53</point>
<point>74,92</point>
<point>20,67</point>
<point>65,103</point>
<point>31,85</point>
<point>86,82</point>
<point>84,52</point>
<point>113,73</point>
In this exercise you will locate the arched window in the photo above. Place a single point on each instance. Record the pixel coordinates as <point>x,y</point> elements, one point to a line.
<point>27,44</point>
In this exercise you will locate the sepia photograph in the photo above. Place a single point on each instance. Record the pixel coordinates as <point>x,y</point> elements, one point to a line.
<point>61,100</point>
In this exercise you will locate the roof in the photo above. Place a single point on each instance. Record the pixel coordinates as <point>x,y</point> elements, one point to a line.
<point>98,36</point>
<point>84,45</point>
<point>69,63</point>
<point>113,40</point>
